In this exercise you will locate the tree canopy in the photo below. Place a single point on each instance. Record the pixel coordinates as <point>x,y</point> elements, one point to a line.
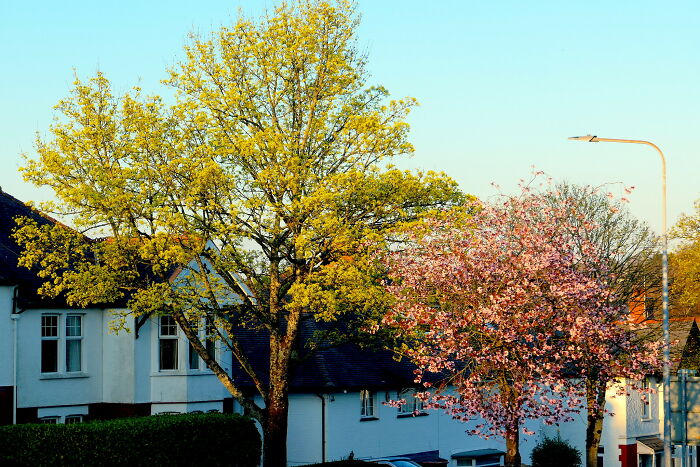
<point>515,310</point>
<point>265,188</point>
<point>685,261</point>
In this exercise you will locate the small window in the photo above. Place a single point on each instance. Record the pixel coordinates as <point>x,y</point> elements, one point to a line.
<point>49,420</point>
<point>367,403</point>
<point>167,343</point>
<point>74,343</point>
<point>210,341</point>
<point>193,356</point>
<point>49,343</point>
<point>648,307</point>
<point>70,419</point>
<point>646,399</point>
<point>412,405</point>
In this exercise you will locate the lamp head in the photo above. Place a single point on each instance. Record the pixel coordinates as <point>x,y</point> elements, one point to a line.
<point>588,138</point>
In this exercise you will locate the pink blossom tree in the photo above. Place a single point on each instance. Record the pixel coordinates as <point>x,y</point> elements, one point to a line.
<point>507,308</point>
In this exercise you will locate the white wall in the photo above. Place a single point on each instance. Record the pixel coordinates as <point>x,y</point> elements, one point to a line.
<point>181,385</point>
<point>118,361</point>
<point>6,363</point>
<point>40,390</point>
<point>392,435</point>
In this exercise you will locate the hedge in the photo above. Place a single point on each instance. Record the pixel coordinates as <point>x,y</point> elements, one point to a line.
<point>190,439</point>
<point>555,452</point>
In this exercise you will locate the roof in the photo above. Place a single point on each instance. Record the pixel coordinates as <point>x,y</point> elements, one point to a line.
<point>345,367</point>
<point>10,272</point>
<point>476,453</point>
<point>685,339</point>
<point>426,457</point>
<point>654,443</point>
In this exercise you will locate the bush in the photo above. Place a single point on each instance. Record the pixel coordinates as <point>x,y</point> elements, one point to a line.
<point>557,452</point>
<point>192,439</point>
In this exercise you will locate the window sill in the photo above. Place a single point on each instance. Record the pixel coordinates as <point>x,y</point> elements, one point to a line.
<point>412,415</point>
<point>64,375</point>
<point>183,373</point>
<point>368,419</point>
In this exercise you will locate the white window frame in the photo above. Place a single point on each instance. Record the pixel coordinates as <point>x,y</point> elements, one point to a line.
<point>413,404</point>
<point>203,331</point>
<point>56,337</point>
<point>76,338</point>
<point>646,406</point>
<point>74,418</point>
<point>174,336</point>
<point>368,404</point>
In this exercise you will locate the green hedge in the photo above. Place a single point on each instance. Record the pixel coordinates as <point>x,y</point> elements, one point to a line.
<point>191,439</point>
<point>555,452</point>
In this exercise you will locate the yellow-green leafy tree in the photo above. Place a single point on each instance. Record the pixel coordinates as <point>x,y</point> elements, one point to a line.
<point>263,189</point>
<point>685,262</point>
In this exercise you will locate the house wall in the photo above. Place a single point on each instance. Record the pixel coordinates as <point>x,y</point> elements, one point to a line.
<point>61,389</point>
<point>180,390</point>
<point>6,355</point>
<point>118,361</point>
<point>6,293</point>
<point>391,435</point>
<point>637,425</point>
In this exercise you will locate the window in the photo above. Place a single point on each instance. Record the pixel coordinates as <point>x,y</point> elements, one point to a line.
<point>74,343</point>
<point>648,307</point>
<point>49,343</point>
<point>167,343</point>
<point>49,420</point>
<point>412,405</point>
<point>193,356</point>
<point>210,341</point>
<point>367,399</point>
<point>646,400</point>
<point>70,419</point>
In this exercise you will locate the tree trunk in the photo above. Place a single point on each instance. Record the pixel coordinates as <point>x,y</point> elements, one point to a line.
<point>275,434</point>
<point>513,447</point>
<point>595,399</point>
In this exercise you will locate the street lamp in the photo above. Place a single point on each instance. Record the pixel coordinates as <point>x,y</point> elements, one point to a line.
<point>664,275</point>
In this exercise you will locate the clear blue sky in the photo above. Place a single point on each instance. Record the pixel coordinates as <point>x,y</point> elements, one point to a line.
<point>501,83</point>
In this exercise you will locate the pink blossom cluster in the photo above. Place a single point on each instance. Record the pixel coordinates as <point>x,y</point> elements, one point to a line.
<point>506,315</point>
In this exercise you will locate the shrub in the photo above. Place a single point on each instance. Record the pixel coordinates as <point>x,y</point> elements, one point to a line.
<point>192,439</point>
<point>552,452</point>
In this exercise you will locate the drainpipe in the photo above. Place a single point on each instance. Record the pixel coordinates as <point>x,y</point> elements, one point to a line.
<point>323,426</point>
<point>14,316</point>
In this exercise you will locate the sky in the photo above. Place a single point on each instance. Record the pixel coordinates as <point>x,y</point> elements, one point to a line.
<point>501,84</point>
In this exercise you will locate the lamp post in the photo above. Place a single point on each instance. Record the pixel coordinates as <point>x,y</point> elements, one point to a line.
<point>664,275</point>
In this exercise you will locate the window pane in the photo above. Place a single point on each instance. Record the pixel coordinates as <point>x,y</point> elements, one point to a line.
<point>73,354</point>
<point>168,327</point>
<point>73,419</point>
<point>49,356</point>
<point>211,348</point>
<point>367,402</point>
<point>194,359</point>
<point>74,326</point>
<point>168,354</point>
<point>49,326</point>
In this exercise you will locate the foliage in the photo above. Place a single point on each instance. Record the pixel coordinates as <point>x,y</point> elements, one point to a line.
<point>510,309</point>
<point>214,439</point>
<point>685,261</point>
<point>256,200</point>
<point>627,254</point>
<point>551,452</point>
